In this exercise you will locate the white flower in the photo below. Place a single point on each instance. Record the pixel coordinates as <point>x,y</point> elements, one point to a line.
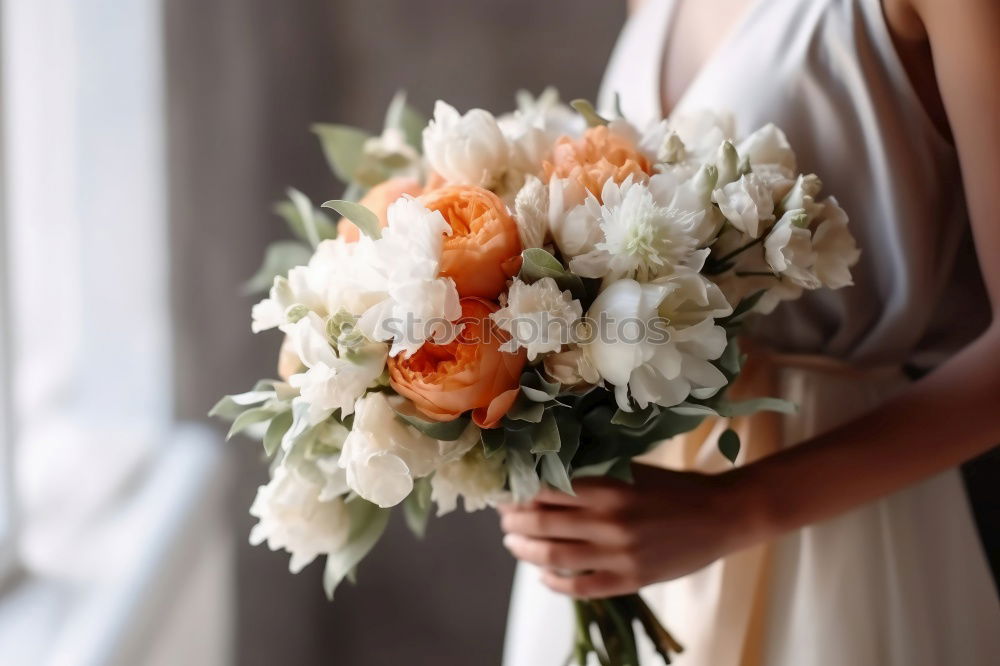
<point>571,368</point>
<point>391,149</point>
<point>335,379</point>
<point>382,454</point>
<point>746,203</point>
<point>301,288</point>
<point>701,132</point>
<point>478,480</point>
<point>291,516</point>
<point>788,249</point>
<point>416,304</point>
<point>643,355</point>
<point>546,112</point>
<point>835,248</point>
<point>575,228</point>
<point>467,150</point>
<point>770,157</point>
<point>531,212</point>
<point>642,237</point>
<point>538,317</point>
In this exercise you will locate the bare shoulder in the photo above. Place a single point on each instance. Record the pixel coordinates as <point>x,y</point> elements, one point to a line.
<point>634,5</point>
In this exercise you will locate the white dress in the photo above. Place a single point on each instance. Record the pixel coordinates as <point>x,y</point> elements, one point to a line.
<point>902,581</point>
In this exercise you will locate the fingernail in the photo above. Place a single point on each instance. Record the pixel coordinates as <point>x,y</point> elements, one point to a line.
<point>510,541</point>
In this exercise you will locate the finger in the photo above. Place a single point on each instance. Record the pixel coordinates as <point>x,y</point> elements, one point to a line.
<point>597,585</point>
<point>564,524</point>
<point>593,493</point>
<point>564,555</point>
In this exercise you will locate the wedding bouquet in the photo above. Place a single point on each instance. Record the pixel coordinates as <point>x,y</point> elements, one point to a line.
<point>513,301</point>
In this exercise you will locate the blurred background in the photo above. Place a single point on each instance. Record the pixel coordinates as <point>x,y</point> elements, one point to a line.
<point>143,144</point>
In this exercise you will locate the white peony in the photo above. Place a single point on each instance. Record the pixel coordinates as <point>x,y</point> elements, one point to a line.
<point>643,238</point>
<point>415,304</point>
<point>335,378</point>
<point>383,455</point>
<point>291,516</point>
<point>835,247</point>
<point>538,317</point>
<point>746,203</point>
<point>643,354</point>
<point>478,480</point>
<point>468,149</point>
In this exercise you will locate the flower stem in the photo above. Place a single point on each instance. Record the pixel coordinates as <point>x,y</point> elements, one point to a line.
<point>741,249</point>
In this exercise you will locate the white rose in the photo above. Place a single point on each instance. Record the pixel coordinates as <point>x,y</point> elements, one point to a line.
<point>574,224</point>
<point>746,203</point>
<point>466,150</point>
<point>538,317</point>
<point>571,368</point>
<point>382,454</point>
<point>291,516</point>
<point>788,249</point>
<point>835,247</point>
<point>478,480</point>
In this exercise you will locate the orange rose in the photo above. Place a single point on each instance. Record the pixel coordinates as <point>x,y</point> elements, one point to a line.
<point>595,157</point>
<point>469,373</point>
<point>378,200</point>
<point>482,251</point>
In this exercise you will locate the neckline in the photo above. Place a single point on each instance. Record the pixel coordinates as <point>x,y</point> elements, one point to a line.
<point>738,27</point>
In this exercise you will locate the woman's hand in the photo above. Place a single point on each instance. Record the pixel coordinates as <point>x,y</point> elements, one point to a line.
<point>621,536</point>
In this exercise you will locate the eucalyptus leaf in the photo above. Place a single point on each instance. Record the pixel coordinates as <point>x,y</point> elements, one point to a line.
<point>279,258</point>
<point>554,473</point>
<point>248,418</point>
<point>365,220</point>
<point>526,410</point>
<point>276,430</point>
<point>523,478</point>
<point>404,117</point>
<point>756,405</point>
<point>693,409</point>
<point>743,307</point>
<point>305,220</point>
<point>729,445</point>
<point>569,434</point>
<point>368,522</point>
<point>537,264</point>
<point>636,418</point>
<point>300,428</point>
<point>545,436</point>
<point>493,440</point>
<point>586,109</point>
<point>596,469</point>
<point>417,507</point>
<point>343,147</point>
<point>447,431</point>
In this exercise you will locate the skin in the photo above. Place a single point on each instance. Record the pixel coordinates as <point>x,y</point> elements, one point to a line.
<point>621,536</point>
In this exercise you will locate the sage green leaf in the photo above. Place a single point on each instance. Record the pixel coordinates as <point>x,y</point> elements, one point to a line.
<point>493,440</point>
<point>597,469</point>
<point>731,360</point>
<point>279,258</point>
<point>554,473</point>
<point>536,389</point>
<point>315,226</point>
<point>538,264</point>
<point>756,405</point>
<point>636,418</point>
<point>300,429</point>
<point>526,410</point>
<point>586,109</point>
<point>521,474</point>
<point>729,445</point>
<point>231,406</point>
<point>447,431</point>
<point>248,418</point>
<point>545,436</point>
<point>343,147</point>
<point>692,409</point>
<point>417,507</point>
<point>406,118</point>
<point>743,307</point>
<point>276,430</point>
<point>368,522</point>
<point>569,434</point>
<point>365,220</point>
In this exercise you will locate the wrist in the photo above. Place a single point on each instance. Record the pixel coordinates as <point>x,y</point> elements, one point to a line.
<point>756,518</point>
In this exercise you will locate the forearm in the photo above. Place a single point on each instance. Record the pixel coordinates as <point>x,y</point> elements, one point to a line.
<point>938,423</point>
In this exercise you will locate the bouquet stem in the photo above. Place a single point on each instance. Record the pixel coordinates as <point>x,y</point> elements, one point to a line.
<point>614,619</point>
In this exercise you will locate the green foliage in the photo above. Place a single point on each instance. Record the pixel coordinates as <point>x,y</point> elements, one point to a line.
<point>368,522</point>
<point>417,507</point>
<point>365,220</point>
<point>729,445</point>
<point>400,115</point>
<point>343,147</point>
<point>538,264</point>
<point>586,109</point>
<point>279,258</point>
<point>307,222</point>
<point>447,431</point>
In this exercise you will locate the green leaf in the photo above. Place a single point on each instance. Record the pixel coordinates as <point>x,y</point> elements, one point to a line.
<point>729,445</point>
<point>569,434</point>
<point>280,257</point>
<point>300,428</point>
<point>493,440</point>
<point>545,436</point>
<point>538,264</point>
<point>406,118</point>
<point>248,418</point>
<point>231,406</point>
<point>524,482</point>
<point>417,507</point>
<point>368,522</point>
<point>554,473</point>
<point>597,469</point>
<point>526,410</point>
<point>756,405</point>
<point>586,109</point>
<point>276,430</point>
<point>365,220</point>
<point>693,409</point>
<point>313,224</point>
<point>743,307</point>
<point>731,360</point>
<point>343,147</point>
<point>447,431</point>
<point>636,418</point>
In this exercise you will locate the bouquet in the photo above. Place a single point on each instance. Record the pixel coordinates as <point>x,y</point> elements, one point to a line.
<point>498,303</point>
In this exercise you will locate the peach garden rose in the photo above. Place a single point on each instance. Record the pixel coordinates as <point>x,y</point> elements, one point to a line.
<point>601,154</point>
<point>377,200</point>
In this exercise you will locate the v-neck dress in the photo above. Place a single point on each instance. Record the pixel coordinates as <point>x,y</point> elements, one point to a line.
<point>902,581</point>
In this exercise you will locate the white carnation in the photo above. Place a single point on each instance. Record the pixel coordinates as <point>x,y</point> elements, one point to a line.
<point>531,212</point>
<point>835,247</point>
<point>291,516</point>
<point>383,455</point>
<point>466,149</point>
<point>538,317</point>
<point>415,304</point>
<point>478,480</point>
<point>789,249</point>
<point>746,203</point>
